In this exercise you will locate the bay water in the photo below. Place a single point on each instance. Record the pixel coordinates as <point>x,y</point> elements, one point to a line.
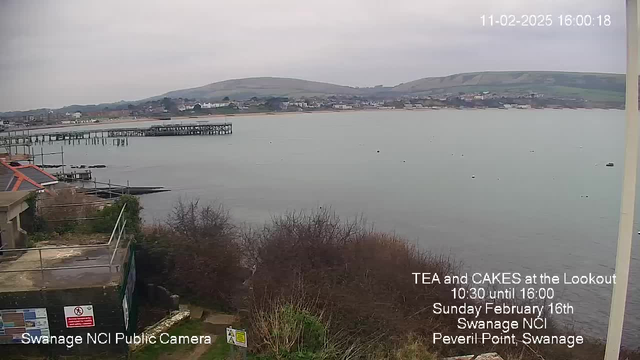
<point>499,190</point>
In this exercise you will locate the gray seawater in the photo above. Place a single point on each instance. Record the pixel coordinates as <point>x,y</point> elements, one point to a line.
<point>525,211</point>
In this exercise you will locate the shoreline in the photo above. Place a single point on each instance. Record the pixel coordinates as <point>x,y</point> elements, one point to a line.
<point>178,118</point>
<point>183,117</point>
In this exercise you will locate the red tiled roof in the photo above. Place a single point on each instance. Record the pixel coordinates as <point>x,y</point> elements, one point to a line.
<point>18,179</point>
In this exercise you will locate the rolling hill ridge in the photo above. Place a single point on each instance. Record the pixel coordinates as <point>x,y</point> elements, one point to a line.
<point>591,86</point>
<point>596,87</point>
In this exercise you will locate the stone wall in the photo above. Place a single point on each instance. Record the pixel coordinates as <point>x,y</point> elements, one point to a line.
<point>161,297</point>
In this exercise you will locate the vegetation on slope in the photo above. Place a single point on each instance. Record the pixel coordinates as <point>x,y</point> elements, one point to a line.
<point>262,86</point>
<point>541,80</point>
<point>319,287</point>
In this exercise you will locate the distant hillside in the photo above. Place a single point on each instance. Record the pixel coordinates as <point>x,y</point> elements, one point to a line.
<point>596,87</point>
<point>261,87</point>
<point>589,86</point>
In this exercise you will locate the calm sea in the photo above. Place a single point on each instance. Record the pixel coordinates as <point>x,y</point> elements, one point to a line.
<point>501,190</point>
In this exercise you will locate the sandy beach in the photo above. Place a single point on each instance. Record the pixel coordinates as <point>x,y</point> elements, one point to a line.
<point>181,118</point>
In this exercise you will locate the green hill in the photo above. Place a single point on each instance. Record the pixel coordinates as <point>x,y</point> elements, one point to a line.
<point>261,87</point>
<point>595,87</point>
<point>589,86</point>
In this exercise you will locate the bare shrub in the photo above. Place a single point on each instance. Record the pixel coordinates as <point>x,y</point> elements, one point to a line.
<point>65,210</point>
<point>202,222</point>
<point>195,254</point>
<point>360,299</point>
<point>362,278</point>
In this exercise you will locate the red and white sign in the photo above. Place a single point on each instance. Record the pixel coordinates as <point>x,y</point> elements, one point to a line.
<point>79,316</point>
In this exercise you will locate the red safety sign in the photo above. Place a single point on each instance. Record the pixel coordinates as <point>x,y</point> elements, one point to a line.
<point>79,316</point>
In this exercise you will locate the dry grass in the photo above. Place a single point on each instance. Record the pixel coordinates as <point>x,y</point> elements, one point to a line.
<point>67,208</point>
<point>413,348</point>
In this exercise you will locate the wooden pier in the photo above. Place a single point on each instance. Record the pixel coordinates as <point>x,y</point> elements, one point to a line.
<point>155,130</point>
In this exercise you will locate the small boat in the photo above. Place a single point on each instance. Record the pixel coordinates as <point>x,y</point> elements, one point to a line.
<point>609,164</point>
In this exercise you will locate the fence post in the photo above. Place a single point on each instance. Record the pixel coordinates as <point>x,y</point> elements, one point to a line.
<point>41,267</point>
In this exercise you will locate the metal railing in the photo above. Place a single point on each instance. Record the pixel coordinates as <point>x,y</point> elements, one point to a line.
<point>118,229</point>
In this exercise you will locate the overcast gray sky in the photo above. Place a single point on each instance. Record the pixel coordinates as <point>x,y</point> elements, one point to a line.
<point>56,53</point>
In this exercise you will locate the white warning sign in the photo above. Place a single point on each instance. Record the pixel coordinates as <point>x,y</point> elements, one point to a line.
<point>79,316</point>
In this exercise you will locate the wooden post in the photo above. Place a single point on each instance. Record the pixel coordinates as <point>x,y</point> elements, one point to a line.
<point>62,152</point>
<point>41,267</point>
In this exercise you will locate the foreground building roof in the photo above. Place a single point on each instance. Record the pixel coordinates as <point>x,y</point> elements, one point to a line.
<point>24,177</point>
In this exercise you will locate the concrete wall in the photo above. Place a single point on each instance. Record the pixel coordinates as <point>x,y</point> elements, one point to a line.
<point>107,303</point>
<point>12,235</point>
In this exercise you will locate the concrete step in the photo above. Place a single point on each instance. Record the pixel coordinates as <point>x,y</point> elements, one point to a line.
<point>196,312</point>
<point>217,323</point>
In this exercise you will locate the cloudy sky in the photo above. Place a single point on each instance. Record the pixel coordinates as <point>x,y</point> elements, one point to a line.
<point>56,53</point>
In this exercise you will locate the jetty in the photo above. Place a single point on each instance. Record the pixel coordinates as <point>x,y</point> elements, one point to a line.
<point>115,191</point>
<point>108,190</point>
<point>196,129</point>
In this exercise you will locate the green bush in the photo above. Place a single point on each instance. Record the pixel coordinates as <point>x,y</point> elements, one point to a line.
<point>31,221</point>
<point>195,254</point>
<point>109,215</point>
<point>313,332</point>
<point>292,329</point>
